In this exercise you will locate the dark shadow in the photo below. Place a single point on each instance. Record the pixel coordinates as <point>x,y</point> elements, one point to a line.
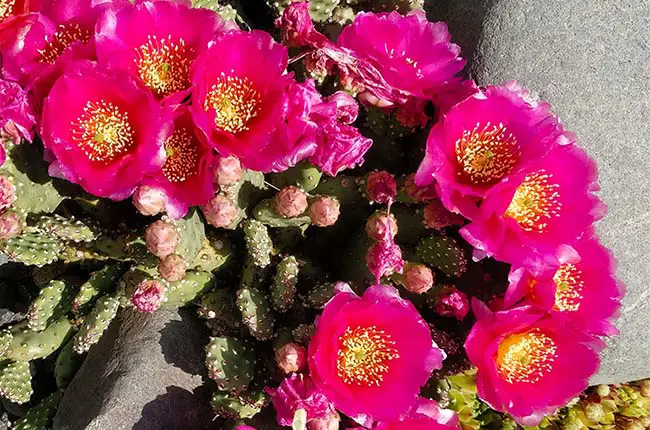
<point>178,409</point>
<point>182,343</point>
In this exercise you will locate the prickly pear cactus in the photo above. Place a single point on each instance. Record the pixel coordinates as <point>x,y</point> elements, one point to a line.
<point>16,381</point>
<point>230,363</point>
<point>443,253</point>
<point>96,323</point>
<point>69,230</point>
<point>30,345</point>
<point>256,312</point>
<point>283,289</point>
<point>32,248</point>
<point>99,282</point>
<point>53,301</point>
<point>41,415</point>
<point>258,243</point>
<point>66,365</point>
<point>238,407</point>
<point>187,289</point>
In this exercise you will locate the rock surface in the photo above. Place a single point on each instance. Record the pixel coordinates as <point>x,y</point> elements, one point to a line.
<point>146,373</point>
<point>591,60</point>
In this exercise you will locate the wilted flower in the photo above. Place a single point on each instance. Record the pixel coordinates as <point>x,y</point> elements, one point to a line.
<point>482,141</point>
<point>550,204</point>
<point>296,392</point>
<point>436,216</point>
<point>371,355</point>
<point>16,112</point>
<point>427,416</point>
<point>451,302</point>
<point>172,268</point>
<point>384,258</point>
<point>529,363</point>
<point>148,296</point>
<point>324,211</point>
<point>581,287</point>
<point>220,211</point>
<point>161,238</point>
<point>381,187</point>
<point>10,225</point>
<point>105,131</point>
<point>291,358</point>
<point>148,200</point>
<point>290,202</point>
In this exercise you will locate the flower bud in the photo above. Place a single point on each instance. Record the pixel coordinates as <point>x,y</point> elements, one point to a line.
<point>381,187</point>
<point>436,216</point>
<point>418,278</point>
<point>324,211</point>
<point>10,225</point>
<point>161,239</point>
<point>452,303</point>
<point>220,211</point>
<point>290,202</point>
<point>228,171</point>
<point>172,268</point>
<point>594,412</point>
<point>381,226</point>
<point>291,358</point>
<point>603,390</point>
<point>384,259</point>
<point>149,201</point>
<point>332,422</point>
<point>148,296</point>
<point>7,193</point>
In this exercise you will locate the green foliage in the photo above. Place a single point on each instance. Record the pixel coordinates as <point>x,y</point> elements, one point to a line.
<point>230,363</point>
<point>283,289</point>
<point>16,381</point>
<point>266,214</point>
<point>53,301</point>
<point>40,416</point>
<point>96,323</point>
<point>443,253</point>
<point>66,365</point>
<point>181,292</point>
<point>29,345</point>
<point>69,230</point>
<point>256,312</point>
<point>238,407</point>
<point>192,235</point>
<point>32,248</point>
<point>99,282</point>
<point>258,243</point>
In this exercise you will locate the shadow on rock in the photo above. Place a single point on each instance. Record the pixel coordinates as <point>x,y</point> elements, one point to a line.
<point>177,410</point>
<point>182,348</point>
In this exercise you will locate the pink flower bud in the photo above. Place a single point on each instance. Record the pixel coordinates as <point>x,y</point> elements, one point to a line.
<point>452,303</point>
<point>381,186</point>
<point>381,226</point>
<point>148,296</point>
<point>290,202</point>
<point>172,268</point>
<point>10,225</point>
<point>220,211</point>
<point>148,200</point>
<point>384,259</point>
<point>291,358</point>
<point>228,171</point>
<point>7,193</point>
<point>331,422</point>
<point>418,278</point>
<point>161,239</point>
<point>324,211</point>
<point>437,216</point>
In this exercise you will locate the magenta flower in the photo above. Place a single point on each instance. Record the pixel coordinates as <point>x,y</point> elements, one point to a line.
<point>248,106</point>
<point>451,302</point>
<point>529,363</point>
<point>370,355</point>
<point>148,296</point>
<point>381,187</point>
<point>16,112</point>
<point>105,131</point>
<point>528,216</point>
<point>384,258</point>
<point>157,42</point>
<point>427,416</point>
<point>187,177</point>
<point>296,392</point>
<point>482,141</point>
<point>10,9</point>
<point>581,288</point>
<point>413,55</point>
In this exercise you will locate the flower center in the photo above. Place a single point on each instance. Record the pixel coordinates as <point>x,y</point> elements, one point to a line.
<point>568,288</point>
<point>535,202</point>
<point>103,131</point>
<point>486,154</point>
<point>526,357</point>
<point>234,101</point>
<point>164,65</point>
<point>364,355</point>
<point>182,156</point>
<point>6,8</point>
<point>61,40</point>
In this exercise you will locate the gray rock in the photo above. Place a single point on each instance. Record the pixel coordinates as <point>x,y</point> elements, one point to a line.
<point>591,60</point>
<point>146,373</point>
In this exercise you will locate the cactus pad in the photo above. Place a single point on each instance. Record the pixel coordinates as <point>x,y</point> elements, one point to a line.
<point>96,323</point>
<point>187,289</point>
<point>15,381</point>
<point>258,243</point>
<point>320,295</point>
<point>70,230</point>
<point>192,234</point>
<point>265,213</point>
<point>256,313</point>
<point>32,248</point>
<point>303,333</point>
<point>243,406</point>
<point>53,301</point>
<point>99,282</point>
<point>41,415</point>
<point>29,345</point>
<point>66,365</point>
<point>444,254</point>
<point>230,363</point>
<point>283,289</point>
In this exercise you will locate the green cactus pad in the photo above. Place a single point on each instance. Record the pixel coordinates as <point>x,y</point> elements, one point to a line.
<point>243,406</point>
<point>30,345</point>
<point>230,363</point>
<point>181,292</point>
<point>265,213</point>
<point>96,323</point>
<point>303,175</point>
<point>258,243</point>
<point>320,295</point>
<point>214,253</point>
<point>402,6</point>
<point>53,301</point>
<point>283,289</point>
<point>65,229</point>
<point>40,416</point>
<point>192,234</point>
<point>303,333</point>
<point>256,313</point>
<point>444,254</point>
<point>66,365</point>
<point>99,282</point>
<point>6,337</point>
<point>15,381</point>
<point>344,188</point>
<point>32,248</point>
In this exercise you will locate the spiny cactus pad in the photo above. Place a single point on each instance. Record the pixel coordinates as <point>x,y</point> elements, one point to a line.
<point>96,323</point>
<point>230,363</point>
<point>99,282</point>
<point>30,345</point>
<point>53,301</point>
<point>187,289</point>
<point>319,295</point>
<point>15,381</point>
<point>283,289</point>
<point>66,365</point>
<point>32,248</point>
<point>71,230</point>
<point>258,243</point>
<point>443,253</point>
<point>265,213</point>
<point>238,407</point>
<point>40,416</point>
<point>256,312</point>
<point>192,234</point>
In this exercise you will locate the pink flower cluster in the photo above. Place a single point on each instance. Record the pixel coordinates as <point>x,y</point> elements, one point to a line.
<point>130,95</point>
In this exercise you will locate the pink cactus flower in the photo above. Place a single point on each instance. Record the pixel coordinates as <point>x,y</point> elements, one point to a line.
<point>248,106</point>
<point>148,296</point>
<point>483,141</point>
<point>220,211</point>
<point>451,302</point>
<point>381,187</point>
<point>149,201</point>
<point>105,131</point>
<point>186,177</point>
<point>7,193</point>
<point>244,427</point>
<point>172,268</point>
<point>16,112</point>
<point>161,238</point>
<point>418,278</point>
<point>384,258</point>
<point>529,363</point>
<point>427,416</point>
<point>290,202</point>
<point>13,8</point>
<point>581,287</point>
<point>10,225</point>
<point>157,42</point>
<point>291,358</point>
<point>228,171</point>
<point>331,422</point>
<point>370,355</point>
<point>412,54</point>
<point>296,392</point>
<point>382,225</point>
<point>324,211</point>
<point>419,194</point>
<point>529,216</point>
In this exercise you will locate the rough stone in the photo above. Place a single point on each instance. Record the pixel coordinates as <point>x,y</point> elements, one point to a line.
<point>146,373</point>
<point>591,60</point>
